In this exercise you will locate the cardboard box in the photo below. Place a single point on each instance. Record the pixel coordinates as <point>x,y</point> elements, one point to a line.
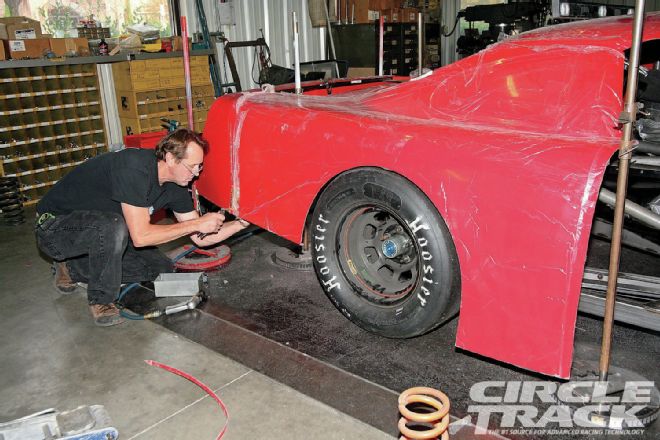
<point>379,5</point>
<point>177,44</point>
<point>376,5</point>
<point>358,72</point>
<point>21,49</point>
<point>408,15</point>
<point>19,28</point>
<point>360,11</point>
<point>391,15</point>
<point>3,53</point>
<point>69,46</point>
<point>374,15</point>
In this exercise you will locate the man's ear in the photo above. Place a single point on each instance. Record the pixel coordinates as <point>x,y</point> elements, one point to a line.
<point>170,159</point>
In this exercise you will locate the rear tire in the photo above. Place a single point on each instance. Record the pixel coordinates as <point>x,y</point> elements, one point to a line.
<point>384,255</point>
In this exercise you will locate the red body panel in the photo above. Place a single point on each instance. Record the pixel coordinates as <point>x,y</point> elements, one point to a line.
<point>509,144</point>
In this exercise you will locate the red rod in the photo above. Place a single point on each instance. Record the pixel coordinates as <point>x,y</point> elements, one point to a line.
<point>186,71</point>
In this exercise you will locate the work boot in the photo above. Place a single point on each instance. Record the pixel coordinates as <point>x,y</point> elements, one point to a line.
<point>105,315</point>
<point>63,282</point>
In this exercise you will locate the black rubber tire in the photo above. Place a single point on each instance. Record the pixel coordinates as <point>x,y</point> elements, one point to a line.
<point>364,196</point>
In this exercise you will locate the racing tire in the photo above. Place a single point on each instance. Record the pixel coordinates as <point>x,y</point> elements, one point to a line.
<point>384,255</point>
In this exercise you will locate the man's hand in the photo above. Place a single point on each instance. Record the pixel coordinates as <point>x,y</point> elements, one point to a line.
<point>210,223</point>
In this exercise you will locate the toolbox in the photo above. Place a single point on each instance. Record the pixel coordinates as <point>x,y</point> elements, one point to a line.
<point>179,284</point>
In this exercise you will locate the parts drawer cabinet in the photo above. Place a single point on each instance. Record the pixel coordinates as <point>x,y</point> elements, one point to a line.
<point>50,121</point>
<point>148,90</point>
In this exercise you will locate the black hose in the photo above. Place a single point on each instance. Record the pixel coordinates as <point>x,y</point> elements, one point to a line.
<point>232,240</point>
<point>458,17</point>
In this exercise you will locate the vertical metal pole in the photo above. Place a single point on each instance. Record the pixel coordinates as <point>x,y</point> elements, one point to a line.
<point>186,72</point>
<point>296,53</point>
<point>266,28</point>
<point>630,110</point>
<point>332,41</point>
<point>380,46</point>
<point>420,37</point>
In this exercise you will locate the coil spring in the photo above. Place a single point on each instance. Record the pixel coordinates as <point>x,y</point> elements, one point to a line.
<point>430,419</point>
<point>11,208</point>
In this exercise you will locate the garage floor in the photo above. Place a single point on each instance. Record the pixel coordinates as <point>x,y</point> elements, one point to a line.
<point>261,318</point>
<point>54,357</point>
<point>306,343</point>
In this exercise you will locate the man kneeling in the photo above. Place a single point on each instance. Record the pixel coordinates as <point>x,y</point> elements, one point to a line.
<point>95,222</point>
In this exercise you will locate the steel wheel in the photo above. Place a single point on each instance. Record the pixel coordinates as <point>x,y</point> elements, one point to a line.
<point>379,255</point>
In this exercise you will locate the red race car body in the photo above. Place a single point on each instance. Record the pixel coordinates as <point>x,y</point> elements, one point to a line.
<point>509,145</point>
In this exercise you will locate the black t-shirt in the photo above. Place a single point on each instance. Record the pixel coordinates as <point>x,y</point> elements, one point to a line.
<point>100,184</point>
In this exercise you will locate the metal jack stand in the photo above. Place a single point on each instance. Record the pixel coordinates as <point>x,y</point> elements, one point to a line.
<point>615,387</point>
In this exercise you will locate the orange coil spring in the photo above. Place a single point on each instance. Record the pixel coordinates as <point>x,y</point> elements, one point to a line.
<point>431,425</point>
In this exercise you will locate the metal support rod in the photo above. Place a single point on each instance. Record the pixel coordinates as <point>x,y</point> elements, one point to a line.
<point>420,42</point>
<point>643,215</point>
<point>186,72</point>
<point>380,45</point>
<point>332,41</point>
<point>630,110</point>
<point>296,53</point>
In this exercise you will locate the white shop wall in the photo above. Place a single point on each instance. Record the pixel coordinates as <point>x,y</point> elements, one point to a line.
<point>274,18</point>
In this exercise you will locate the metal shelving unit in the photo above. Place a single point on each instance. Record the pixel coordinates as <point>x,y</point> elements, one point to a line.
<point>399,48</point>
<point>98,59</point>
<point>51,116</point>
<point>50,121</point>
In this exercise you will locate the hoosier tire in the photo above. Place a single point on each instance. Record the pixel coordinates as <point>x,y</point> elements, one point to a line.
<point>383,254</point>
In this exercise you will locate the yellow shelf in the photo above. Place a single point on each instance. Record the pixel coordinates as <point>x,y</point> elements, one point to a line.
<point>47,92</point>
<point>39,185</point>
<point>52,107</point>
<point>43,77</point>
<point>44,124</point>
<point>41,170</point>
<point>176,98</point>
<point>49,138</point>
<point>52,153</point>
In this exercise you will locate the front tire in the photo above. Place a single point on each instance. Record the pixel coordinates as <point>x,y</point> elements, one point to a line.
<point>383,254</point>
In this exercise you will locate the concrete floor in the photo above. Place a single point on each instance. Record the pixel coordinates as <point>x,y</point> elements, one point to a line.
<point>54,356</point>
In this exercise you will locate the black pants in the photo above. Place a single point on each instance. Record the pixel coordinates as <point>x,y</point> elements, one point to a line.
<point>97,249</point>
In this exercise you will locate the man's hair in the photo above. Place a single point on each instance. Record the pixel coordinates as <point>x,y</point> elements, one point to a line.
<point>177,141</point>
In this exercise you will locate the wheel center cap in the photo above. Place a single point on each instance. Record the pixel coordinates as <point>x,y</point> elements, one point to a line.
<point>395,246</point>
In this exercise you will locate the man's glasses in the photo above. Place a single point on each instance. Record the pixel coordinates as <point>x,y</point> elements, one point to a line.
<point>193,170</point>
